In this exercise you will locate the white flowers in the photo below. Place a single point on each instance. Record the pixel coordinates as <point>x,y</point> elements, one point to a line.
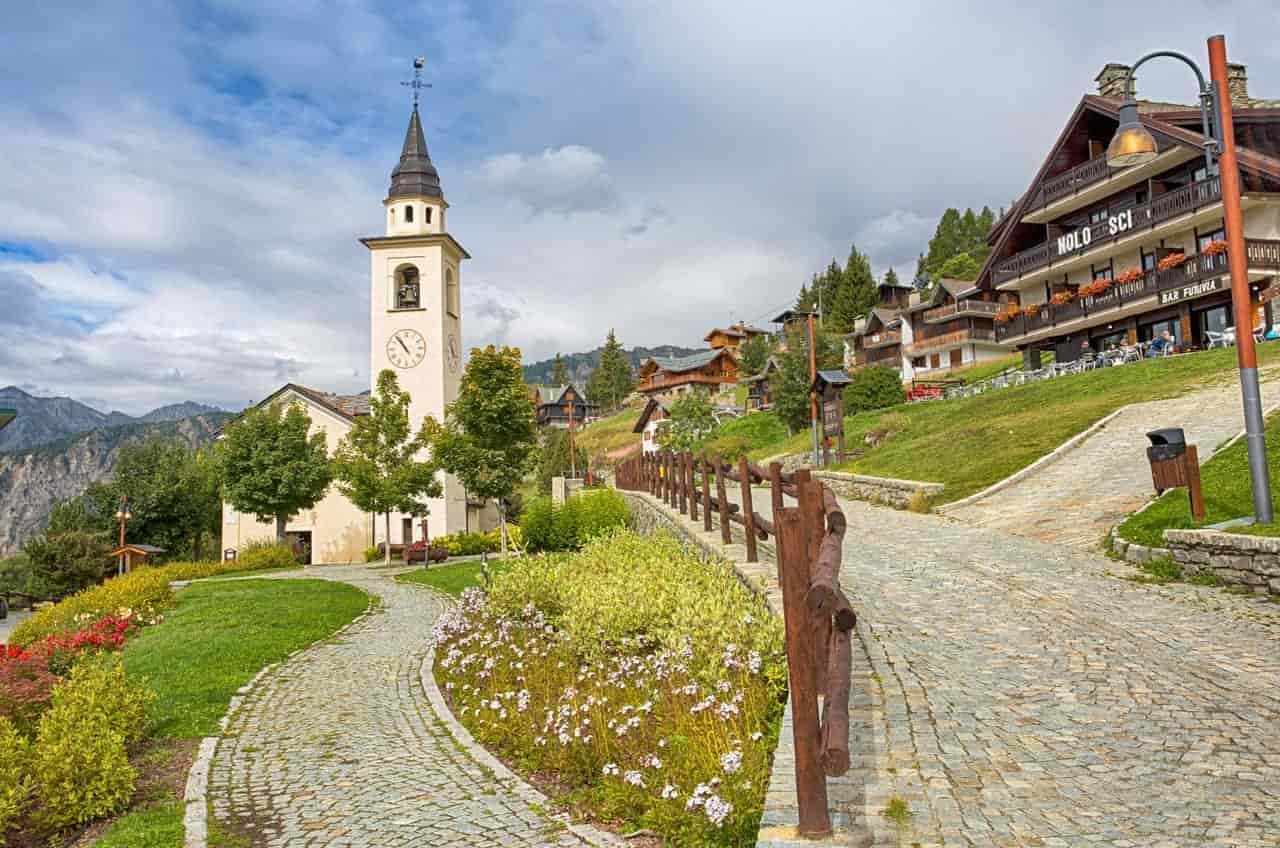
<point>717,810</point>
<point>652,762</point>
<point>670,792</point>
<point>635,778</point>
<point>731,762</point>
<point>757,736</point>
<point>610,768</point>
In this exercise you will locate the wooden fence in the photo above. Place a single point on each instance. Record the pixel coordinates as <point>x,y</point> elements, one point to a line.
<point>808,539</point>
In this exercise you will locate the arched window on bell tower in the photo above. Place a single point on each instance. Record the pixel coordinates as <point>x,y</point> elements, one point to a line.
<point>408,288</point>
<point>408,214</point>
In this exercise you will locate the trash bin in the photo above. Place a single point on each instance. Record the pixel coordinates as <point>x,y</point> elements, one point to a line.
<point>1166,443</point>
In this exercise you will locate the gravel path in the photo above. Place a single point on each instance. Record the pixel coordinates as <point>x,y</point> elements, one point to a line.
<point>1032,697</point>
<point>1080,497</point>
<point>341,747</point>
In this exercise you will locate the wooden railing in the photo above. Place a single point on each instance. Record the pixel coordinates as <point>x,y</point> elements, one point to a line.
<point>885,339</point>
<point>1262,253</point>
<point>927,343</point>
<point>1070,182</point>
<point>817,616</point>
<point>977,308</point>
<point>1165,207</point>
<point>666,381</point>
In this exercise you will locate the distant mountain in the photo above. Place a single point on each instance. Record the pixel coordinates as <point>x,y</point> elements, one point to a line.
<point>42,421</point>
<point>580,365</point>
<point>32,481</point>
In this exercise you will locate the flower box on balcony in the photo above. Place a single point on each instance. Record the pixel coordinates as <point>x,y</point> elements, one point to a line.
<point>1132,275</point>
<point>1173,260</point>
<point>1095,288</point>
<point>1062,298</point>
<point>1032,310</point>
<point>1214,248</point>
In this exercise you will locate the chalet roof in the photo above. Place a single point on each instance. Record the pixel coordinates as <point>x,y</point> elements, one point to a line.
<point>654,404</point>
<point>348,406</point>
<point>789,315</point>
<point>145,550</point>
<point>770,365</point>
<point>1156,117</point>
<point>677,364</point>
<point>886,317</point>
<point>738,331</point>
<point>554,394</point>
<point>415,176</point>
<point>898,285</point>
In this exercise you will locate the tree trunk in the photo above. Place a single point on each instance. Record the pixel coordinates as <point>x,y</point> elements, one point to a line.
<point>386,560</point>
<point>502,525</point>
<point>280,521</point>
<point>195,546</point>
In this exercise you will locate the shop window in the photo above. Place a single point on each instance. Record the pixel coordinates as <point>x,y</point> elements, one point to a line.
<point>1156,329</point>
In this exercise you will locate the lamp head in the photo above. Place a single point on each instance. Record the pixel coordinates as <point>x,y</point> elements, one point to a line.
<point>1133,144</point>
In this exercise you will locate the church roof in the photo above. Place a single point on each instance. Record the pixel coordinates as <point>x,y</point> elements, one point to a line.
<point>415,176</point>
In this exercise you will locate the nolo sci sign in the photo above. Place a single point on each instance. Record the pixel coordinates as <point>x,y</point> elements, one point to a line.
<point>1083,237</point>
<point>1192,291</point>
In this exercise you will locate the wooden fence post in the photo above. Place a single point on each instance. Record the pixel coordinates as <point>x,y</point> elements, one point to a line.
<point>726,532</point>
<point>811,783</point>
<point>706,494</point>
<point>748,516</point>
<point>809,494</point>
<point>691,486</point>
<point>682,468</point>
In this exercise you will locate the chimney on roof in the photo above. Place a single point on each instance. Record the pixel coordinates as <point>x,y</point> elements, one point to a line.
<point>1238,85</point>
<point>1111,81</point>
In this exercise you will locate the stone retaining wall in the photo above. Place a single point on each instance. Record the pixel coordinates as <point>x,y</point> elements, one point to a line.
<point>886,490</point>
<point>1236,559</point>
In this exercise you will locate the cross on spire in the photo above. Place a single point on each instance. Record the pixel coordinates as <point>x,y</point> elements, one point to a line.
<point>416,83</point>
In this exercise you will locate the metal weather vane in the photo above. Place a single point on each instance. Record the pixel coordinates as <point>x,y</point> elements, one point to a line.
<point>416,83</point>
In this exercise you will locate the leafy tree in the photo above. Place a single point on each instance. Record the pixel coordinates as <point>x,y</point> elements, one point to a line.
<point>891,278</point>
<point>873,388</point>
<point>377,465</point>
<point>201,479</point>
<point>553,457</point>
<point>78,513</point>
<point>611,381</point>
<point>71,560</point>
<point>489,434</point>
<point>559,371</point>
<point>961,267</point>
<point>689,422</point>
<point>755,353</point>
<point>271,467</point>
<point>791,386</point>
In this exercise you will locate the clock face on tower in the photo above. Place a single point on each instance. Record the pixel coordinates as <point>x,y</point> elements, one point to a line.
<point>406,348</point>
<point>455,356</point>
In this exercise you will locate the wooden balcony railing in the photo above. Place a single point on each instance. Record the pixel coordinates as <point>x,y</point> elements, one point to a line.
<point>1144,216</point>
<point>666,381</point>
<point>945,340</point>
<point>885,339</point>
<point>1261,253</point>
<point>1070,182</point>
<point>975,308</point>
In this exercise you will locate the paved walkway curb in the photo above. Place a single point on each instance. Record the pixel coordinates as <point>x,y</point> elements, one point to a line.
<point>524,791</point>
<point>1051,457</point>
<point>195,797</point>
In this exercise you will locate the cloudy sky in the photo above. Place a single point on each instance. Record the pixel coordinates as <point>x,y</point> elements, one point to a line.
<point>182,183</point>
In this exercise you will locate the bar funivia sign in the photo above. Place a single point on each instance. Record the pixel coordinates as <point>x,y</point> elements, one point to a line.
<point>1192,291</point>
<point>1083,237</point>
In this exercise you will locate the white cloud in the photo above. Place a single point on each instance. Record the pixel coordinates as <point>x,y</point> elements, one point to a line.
<point>568,179</point>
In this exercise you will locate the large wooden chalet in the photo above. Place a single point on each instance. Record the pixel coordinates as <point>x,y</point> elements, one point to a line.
<point>555,406</point>
<point>733,336</point>
<point>1119,256</point>
<point>670,376</point>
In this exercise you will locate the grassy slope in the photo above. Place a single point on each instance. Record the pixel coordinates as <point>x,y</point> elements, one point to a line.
<point>974,442</point>
<point>451,579</point>
<point>1225,482</point>
<point>211,644</point>
<point>608,434</point>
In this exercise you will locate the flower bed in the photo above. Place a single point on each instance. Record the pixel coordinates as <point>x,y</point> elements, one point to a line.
<point>644,682</point>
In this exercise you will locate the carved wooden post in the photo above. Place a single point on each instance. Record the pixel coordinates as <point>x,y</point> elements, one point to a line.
<point>706,494</point>
<point>775,485</point>
<point>748,516</point>
<point>809,493</point>
<point>811,783</point>
<point>726,533</point>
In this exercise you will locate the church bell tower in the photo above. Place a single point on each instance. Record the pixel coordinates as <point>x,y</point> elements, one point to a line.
<point>415,304</point>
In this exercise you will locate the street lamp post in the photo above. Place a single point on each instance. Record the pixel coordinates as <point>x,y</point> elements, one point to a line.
<point>123,515</point>
<point>1133,144</point>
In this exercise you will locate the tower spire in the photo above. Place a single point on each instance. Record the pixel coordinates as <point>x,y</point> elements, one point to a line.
<point>415,176</point>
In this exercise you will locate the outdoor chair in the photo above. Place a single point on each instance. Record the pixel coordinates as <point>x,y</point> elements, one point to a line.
<point>1215,340</point>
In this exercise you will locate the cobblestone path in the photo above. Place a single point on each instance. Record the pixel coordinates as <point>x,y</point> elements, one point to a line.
<point>340,747</point>
<point>1080,497</point>
<point>1030,696</point>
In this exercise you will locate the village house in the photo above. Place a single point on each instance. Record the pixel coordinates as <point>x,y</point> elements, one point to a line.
<point>732,337</point>
<point>759,386</point>
<point>953,327</point>
<point>655,411</point>
<point>1121,256</point>
<point>708,370</point>
<point>556,406</point>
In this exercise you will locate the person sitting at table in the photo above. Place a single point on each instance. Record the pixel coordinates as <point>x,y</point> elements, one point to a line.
<point>1160,345</point>
<point>1113,355</point>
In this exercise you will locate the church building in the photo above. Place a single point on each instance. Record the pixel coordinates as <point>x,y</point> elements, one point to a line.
<point>415,319</point>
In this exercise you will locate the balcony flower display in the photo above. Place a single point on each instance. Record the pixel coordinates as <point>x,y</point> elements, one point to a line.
<point>1095,288</point>
<point>1010,311</point>
<point>1214,248</point>
<point>1062,298</point>
<point>1131,275</point>
<point>1032,309</point>
<point>1173,260</point>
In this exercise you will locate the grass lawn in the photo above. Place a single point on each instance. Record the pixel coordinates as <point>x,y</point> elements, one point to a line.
<point>1225,482</point>
<point>219,636</point>
<point>608,434</point>
<point>452,579</point>
<point>970,443</point>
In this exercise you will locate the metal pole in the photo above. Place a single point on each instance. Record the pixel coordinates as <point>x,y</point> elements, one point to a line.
<point>813,396</point>
<point>1229,174</point>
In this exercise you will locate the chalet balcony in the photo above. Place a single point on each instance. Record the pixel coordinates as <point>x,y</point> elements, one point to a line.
<point>879,340</point>
<point>1068,183</point>
<point>1124,224</point>
<point>963,309</point>
<point>660,382</point>
<point>942,341</point>
<point>1263,255</point>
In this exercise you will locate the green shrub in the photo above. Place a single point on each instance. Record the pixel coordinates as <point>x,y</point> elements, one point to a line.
<point>372,554</point>
<point>265,554</point>
<point>15,785</point>
<point>584,516</point>
<point>875,387</point>
<point>144,592</point>
<point>79,764</point>
<point>598,512</point>
<point>98,685</point>
<point>70,561</point>
<point>739,436</point>
<point>468,544</point>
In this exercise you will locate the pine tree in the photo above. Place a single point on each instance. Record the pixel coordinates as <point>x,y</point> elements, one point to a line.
<point>559,371</point>
<point>612,380</point>
<point>891,278</point>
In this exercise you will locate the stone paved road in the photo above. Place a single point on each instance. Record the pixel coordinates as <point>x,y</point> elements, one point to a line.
<point>340,747</point>
<point>1079,498</point>
<point>1032,697</point>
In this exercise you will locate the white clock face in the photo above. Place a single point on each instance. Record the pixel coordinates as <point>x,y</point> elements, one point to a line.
<point>455,355</point>
<point>406,348</point>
